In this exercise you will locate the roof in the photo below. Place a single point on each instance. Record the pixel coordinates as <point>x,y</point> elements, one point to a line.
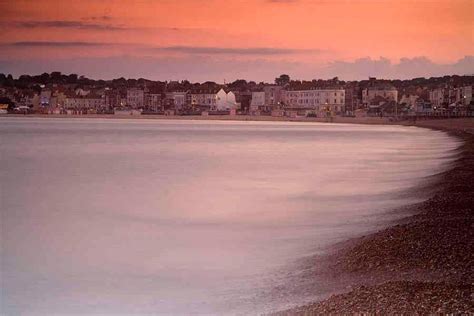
<point>205,91</point>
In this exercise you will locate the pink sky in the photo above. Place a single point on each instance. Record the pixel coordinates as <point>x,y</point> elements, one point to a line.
<point>251,39</point>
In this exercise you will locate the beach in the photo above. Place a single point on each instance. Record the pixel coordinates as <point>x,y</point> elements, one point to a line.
<point>424,263</point>
<point>420,264</point>
<point>245,118</point>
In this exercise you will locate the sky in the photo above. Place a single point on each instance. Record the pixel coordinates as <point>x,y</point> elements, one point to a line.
<point>225,40</point>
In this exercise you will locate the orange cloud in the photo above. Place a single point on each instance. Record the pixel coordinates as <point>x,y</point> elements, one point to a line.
<point>324,30</point>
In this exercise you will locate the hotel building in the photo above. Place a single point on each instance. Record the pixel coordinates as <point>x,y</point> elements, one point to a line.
<point>320,100</point>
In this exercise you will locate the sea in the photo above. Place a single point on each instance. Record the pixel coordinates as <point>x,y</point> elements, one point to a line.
<point>182,217</point>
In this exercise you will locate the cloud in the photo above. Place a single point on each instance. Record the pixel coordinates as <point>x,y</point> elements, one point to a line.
<point>66,24</point>
<point>405,68</point>
<point>94,23</point>
<point>184,50</point>
<point>203,68</point>
<point>199,50</point>
<point>56,44</point>
<point>282,1</point>
<point>196,68</point>
<point>98,18</point>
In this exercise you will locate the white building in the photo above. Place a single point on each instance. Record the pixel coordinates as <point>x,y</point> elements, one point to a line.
<point>258,101</point>
<point>438,97</point>
<point>225,101</point>
<point>214,100</point>
<point>321,100</point>
<point>388,93</point>
<point>135,98</point>
<point>464,95</point>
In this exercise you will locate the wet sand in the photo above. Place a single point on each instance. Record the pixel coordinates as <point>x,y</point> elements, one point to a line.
<point>423,264</point>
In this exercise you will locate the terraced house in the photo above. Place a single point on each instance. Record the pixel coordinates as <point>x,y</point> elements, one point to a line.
<point>319,100</point>
<point>84,102</point>
<point>205,99</point>
<point>135,98</point>
<point>387,92</point>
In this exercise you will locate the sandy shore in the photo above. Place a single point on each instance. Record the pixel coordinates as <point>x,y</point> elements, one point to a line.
<point>424,264</point>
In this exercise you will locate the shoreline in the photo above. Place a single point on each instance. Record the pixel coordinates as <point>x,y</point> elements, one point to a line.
<point>442,124</point>
<point>237,118</point>
<point>421,264</point>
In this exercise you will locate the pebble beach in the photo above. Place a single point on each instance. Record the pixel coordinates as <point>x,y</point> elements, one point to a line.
<point>424,263</point>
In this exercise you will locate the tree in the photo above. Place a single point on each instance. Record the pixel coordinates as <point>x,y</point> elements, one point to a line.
<point>282,80</point>
<point>44,78</point>
<point>72,78</point>
<point>120,82</point>
<point>56,76</point>
<point>24,79</point>
<point>239,84</point>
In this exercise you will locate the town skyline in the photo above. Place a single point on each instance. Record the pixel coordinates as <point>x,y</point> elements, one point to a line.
<point>196,41</point>
<point>50,74</point>
<point>58,93</point>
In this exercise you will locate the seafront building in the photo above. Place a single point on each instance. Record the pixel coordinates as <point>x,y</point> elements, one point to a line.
<point>177,99</point>
<point>464,95</point>
<point>87,102</point>
<point>320,100</point>
<point>273,96</point>
<point>410,100</point>
<point>225,101</point>
<point>439,97</point>
<point>214,100</point>
<point>135,98</point>
<point>112,99</point>
<point>153,100</point>
<point>449,95</point>
<point>257,103</point>
<point>205,99</point>
<point>243,99</point>
<point>370,94</point>
<point>45,97</point>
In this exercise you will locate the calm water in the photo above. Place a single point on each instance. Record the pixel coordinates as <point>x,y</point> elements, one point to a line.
<point>111,217</point>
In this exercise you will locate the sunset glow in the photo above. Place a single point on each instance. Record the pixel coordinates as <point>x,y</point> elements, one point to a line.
<point>257,40</point>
